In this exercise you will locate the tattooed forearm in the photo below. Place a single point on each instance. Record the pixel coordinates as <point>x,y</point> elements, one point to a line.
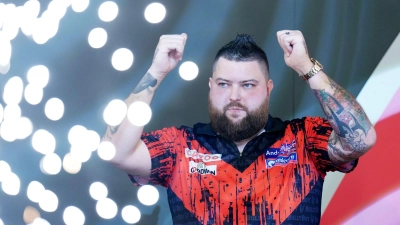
<point>147,81</point>
<point>111,130</point>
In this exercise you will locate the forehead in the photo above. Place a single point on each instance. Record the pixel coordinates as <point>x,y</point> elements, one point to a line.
<point>244,70</point>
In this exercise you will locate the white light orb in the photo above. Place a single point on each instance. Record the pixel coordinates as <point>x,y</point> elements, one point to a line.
<point>38,75</point>
<point>93,140</point>
<point>51,164</point>
<point>35,191</point>
<point>1,222</point>
<point>43,141</point>
<point>139,113</point>
<point>32,8</point>
<point>122,59</point>
<point>79,5</point>
<point>4,69</point>
<point>54,109</point>
<point>106,208</point>
<point>5,49</point>
<point>25,128</point>
<point>130,214</point>
<point>8,130</point>
<point>148,195</point>
<point>188,70</point>
<point>97,37</point>
<point>115,112</point>
<point>76,135</point>
<point>73,216</point>
<point>11,184</point>
<point>12,112</point>
<point>106,150</point>
<point>13,90</point>
<point>98,191</point>
<point>48,201</point>
<point>108,11</point>
<point>57,9</point>
<point>71,165</point>
<point>155,12</point>
<point>11,23</point>
<point>40,31</point>
<point>40,221</point>
<point>5,169</point>
<point>80,153</point>
<point>33,94</point>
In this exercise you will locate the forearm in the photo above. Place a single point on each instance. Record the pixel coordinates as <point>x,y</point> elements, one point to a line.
<point>353,132</point>
<point>126,136</point>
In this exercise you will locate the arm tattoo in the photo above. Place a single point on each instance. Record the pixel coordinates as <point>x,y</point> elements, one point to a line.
<point>147,81</point>
<point>348,121</point>
<point>111,131</point>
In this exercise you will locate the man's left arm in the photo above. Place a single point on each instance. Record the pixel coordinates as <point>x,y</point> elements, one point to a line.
<point>353,134</point>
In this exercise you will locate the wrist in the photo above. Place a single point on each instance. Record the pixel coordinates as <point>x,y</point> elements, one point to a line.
<point>315,68</point>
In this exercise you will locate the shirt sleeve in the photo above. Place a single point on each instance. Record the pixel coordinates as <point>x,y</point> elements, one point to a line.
<point>161,145</point>
<point>318,131</point>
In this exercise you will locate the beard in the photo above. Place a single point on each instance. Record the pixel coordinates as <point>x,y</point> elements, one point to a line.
<point>247,127</point>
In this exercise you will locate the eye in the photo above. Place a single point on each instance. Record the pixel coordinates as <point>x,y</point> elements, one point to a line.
<point>248,85</point>
<point>223,84</point>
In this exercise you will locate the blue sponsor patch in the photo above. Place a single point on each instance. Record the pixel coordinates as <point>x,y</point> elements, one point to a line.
<point>272,153</point>
<point>281,160</point>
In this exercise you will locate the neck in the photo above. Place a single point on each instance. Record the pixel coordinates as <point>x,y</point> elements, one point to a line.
<point>241,144</point>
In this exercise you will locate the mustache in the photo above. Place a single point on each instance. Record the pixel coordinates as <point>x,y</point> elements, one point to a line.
<point>235,104</point>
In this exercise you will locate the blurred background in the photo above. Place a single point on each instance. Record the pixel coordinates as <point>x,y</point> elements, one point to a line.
<point>66,65</point>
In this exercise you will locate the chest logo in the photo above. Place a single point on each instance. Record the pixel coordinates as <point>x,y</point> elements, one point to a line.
<point>202,169</point>
<point>204,157</point>
<point>281,156</point>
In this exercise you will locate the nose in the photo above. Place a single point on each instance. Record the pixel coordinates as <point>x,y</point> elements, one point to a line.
<point>235,94</point>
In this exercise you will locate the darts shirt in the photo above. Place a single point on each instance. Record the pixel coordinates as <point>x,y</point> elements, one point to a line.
<point>277,179</point>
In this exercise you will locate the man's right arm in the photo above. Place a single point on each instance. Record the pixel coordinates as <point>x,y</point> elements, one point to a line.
<point>132,155</point>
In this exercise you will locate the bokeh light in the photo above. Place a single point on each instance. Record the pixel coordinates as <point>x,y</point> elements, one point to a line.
<point>13,90</point>
<point>115,112</point>
<point>108,11</point>
<point>139,113</point>
<point>98,191</point>
<point>106,150</point>
<point>148,195</point>
<point>43,141</point>
<point>155,12</point>
<point>130,214</point>
<point>12,112</point>
<point>30,214</point>
<point>54,109</point>
<point>76,135</point>
<point>79,5</point>
<point>51,164</point>
<point>93,140</point>
<point>122,59</point>
<point>106,208</point>
<point>5,169</point>
<point>188,70</point>
<point>11,184</point>
<point>71,165</point>
<point>48,201</point>
<point>33,94</point>
<point>80,153</point>
<point>73,216</point>
<point>35,191</point>
<point>9,130</point>
<point>6,68</point>
<point>5,49</point>
<point>97,37</point>
<point>25,128</point>
<point>38,75</point>
<point>40,221</point>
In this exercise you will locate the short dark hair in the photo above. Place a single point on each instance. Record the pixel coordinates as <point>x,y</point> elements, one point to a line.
<point>243,49</point>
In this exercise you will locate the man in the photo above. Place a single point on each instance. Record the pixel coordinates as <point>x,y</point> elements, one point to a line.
<point>245,167</point>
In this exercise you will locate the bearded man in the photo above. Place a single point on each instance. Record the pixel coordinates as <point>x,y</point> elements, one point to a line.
<point>245,166</point>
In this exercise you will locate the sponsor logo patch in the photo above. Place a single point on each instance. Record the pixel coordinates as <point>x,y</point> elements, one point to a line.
<point>282,160</point>
<point>204,157</point>
<point>202,169</point>
<point>281,156</point>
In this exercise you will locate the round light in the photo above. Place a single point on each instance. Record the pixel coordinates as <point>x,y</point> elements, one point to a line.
<point>5,169</point>
<point>33,94</point>
<point>48,201</point>
<point>148,195</point>
<point>38,75</point>
<point>76,135</point>
<point>5,49</point>
<point>188,70</point>
<point>40,221</point>
<point>30,214</point>
<point>79,5</point>
<point>12,112</point>
<point>71,165</point>
<point>122,59</point>
<point>54,109</point>
<point>11,184</point>
<point>115,112</point>
<point>93,140</point>
<point>130,214</point>
<point>80,153</point>
<point>106,208</point>
<point>51,164</point>
<point>98,191</point>
<point>8,130</point>
<point>73,216</point>
<point>106,150</point>
<point>25,128</point>
<point>155,12</point>
<point>108,11</point>
<point>35,191</point>
<point>43,142</point>
<point>13,90</point>
<point>97,37</point>
<point>139,113</point>
<point>6,68</point>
